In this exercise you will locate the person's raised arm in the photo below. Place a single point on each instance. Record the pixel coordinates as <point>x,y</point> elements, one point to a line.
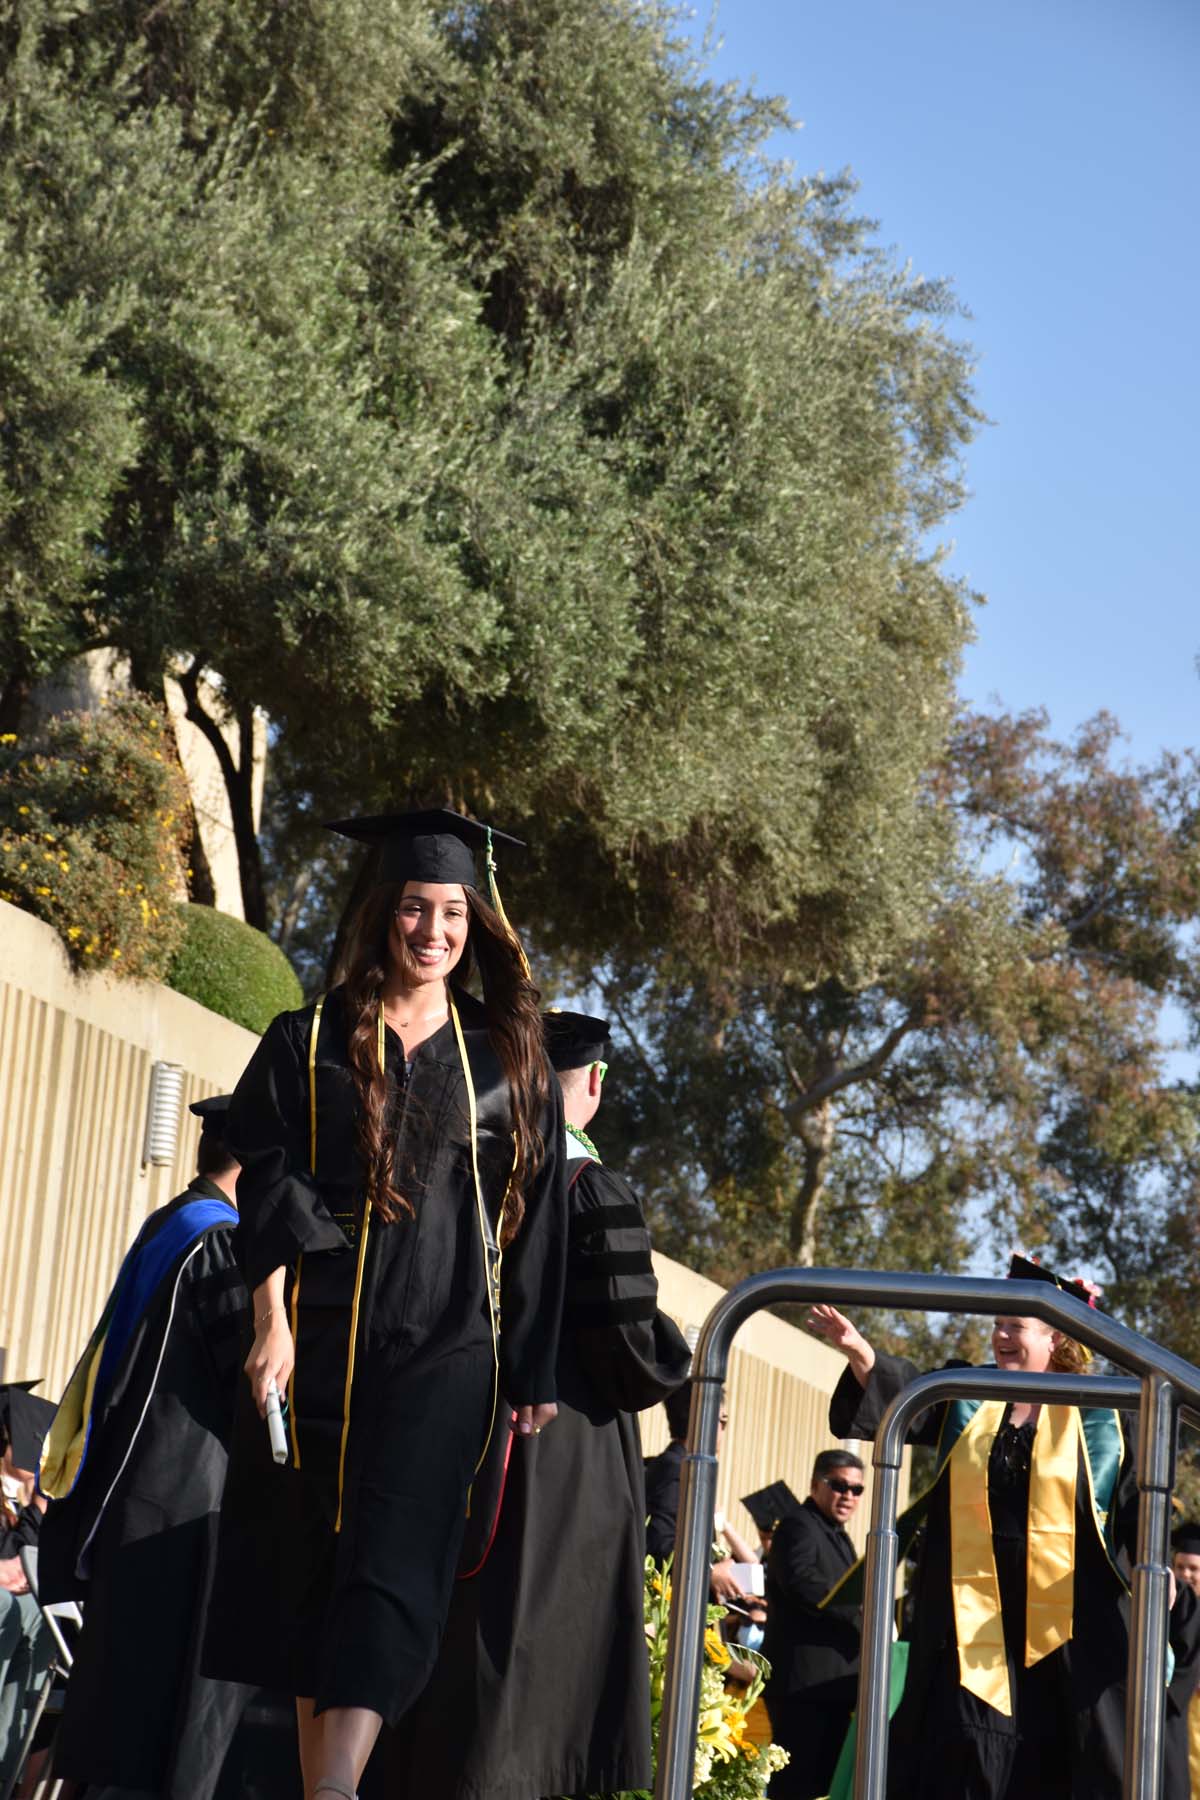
<point>840,1334</point>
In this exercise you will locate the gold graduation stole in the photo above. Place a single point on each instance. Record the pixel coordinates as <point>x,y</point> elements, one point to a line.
<point>1050,1566</point>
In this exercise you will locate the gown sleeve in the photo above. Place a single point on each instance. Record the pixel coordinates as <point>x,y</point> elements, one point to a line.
<point>279,1206</point>
<point>631,1354</point>
<point>533,1277</point>
<point>857,1412</point>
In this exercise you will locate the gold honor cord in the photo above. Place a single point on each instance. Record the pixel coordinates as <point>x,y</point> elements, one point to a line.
<point>381,1052</point>
<point>498,905</point>
<point>493,1311</point>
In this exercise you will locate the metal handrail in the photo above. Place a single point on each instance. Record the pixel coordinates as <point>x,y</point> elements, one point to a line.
<point>1167,1383</point>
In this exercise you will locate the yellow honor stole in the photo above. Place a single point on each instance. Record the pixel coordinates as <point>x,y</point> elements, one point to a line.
<point>1050,1566</point>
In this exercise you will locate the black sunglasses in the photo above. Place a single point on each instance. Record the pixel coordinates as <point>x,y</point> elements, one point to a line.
<point>843,1487</point>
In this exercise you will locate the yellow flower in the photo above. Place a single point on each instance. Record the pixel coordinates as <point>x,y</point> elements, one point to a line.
<point>43,890</point>
<point>73,931</point>
<point>65,867</point>
<point>83,768</point>
<point>717,1652</point>
<point>116,953</point>
<point>22,809</point>
<point>8,737</point>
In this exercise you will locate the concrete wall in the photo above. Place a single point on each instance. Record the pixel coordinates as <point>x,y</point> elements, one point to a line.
<point>75,1060</point>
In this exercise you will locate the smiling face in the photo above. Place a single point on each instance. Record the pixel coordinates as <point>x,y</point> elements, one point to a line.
<point>1026,1344</point>
<point>428,933</point>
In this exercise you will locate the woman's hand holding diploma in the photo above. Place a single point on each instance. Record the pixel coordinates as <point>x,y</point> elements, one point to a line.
<point>272,1354</point>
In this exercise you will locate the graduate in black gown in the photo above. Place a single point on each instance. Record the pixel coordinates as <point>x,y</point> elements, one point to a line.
<point>1004,1699</point>
<point>542,1685</point>
<point>135,1479</point>
<point>389,1136</point>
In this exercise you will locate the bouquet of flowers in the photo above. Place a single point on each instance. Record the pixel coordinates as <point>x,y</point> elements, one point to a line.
<point>728,1765</point>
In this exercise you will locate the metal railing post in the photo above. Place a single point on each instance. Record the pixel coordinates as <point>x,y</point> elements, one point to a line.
<point>689,1592</point>
<point>1146,1696</point>
<point>879,1587</point>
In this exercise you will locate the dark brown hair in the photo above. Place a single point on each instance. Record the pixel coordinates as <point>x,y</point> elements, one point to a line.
<point>514,1025</point>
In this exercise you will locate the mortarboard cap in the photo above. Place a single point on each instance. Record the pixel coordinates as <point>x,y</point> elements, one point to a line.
<point>213,1114</point>
<point>25,1418</point>
<point>437,845</point>
<point>574,1039</point>
<point>1024,1268</point>
<point>770,1504</point>
<point>1186,1537</point>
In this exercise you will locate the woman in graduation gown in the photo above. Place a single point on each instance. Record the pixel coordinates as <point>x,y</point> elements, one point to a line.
<point>390,1136</point>
<point>542,1685</point>
<point>1015,1687</point>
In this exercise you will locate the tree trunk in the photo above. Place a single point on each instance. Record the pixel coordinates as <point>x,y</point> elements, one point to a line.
<point>202,889</point>
<point>816,1133</point>
<point>238,777</point>
<point>13,695</point>
<point>293,906</point>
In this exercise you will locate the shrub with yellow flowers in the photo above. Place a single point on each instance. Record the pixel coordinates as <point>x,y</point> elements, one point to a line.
<point>94,813</point>
<point>728,1765</point>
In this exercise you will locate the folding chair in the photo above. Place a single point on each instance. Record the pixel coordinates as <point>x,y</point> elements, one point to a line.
<point>56,1615</point>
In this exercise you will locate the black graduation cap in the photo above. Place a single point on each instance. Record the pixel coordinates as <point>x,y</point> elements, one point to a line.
<point>1186,1537</point>
<point>1023,1268</point>
<point>436,845</point>
<point>574,1039</point>
<point>770,1504</point>
<point>213,1115</point>
<point>26,1418</point>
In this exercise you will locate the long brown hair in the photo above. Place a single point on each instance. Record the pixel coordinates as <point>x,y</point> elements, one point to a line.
<point>514,1025</point>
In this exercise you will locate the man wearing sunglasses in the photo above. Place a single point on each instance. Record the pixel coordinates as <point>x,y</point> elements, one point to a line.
<point>813,1653</point>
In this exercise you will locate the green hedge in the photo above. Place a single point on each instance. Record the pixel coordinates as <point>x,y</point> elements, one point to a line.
<point>233,969</point>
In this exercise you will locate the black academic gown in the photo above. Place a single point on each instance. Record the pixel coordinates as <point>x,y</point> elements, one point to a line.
<point>138,1714</point>
<point>813,1651</point>
<point>542,1684</point>
<point>1065,1738</point>
<point>663,1475</point>
<point>350,1614</point>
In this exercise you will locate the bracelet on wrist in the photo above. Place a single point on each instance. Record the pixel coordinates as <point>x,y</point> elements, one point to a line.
<point>269,1314</point>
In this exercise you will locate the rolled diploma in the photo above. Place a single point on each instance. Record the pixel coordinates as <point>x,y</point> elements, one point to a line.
<point>275,1431</point>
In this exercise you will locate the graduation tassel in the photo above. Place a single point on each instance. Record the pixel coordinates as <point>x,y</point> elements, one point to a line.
<point>498,904</point>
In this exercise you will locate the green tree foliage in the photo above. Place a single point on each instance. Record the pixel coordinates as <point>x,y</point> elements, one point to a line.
<point>1001,1078</point>
<point>92,819</point>
<point>512,435</point>
<point>232,969</point>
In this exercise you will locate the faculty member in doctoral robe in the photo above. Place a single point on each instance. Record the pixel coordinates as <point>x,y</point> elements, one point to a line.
<point>135,1481</point>
<point>542,1683</point>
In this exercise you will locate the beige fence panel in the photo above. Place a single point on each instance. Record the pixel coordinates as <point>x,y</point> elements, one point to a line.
<point>75,1061</point>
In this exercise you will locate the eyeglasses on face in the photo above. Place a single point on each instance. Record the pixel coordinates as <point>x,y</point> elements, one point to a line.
<point>844,1487</point>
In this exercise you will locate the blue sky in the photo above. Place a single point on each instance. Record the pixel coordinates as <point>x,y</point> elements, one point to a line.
<point>1043,154</point>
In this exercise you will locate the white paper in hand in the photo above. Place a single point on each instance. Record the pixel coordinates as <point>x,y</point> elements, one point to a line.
<point>275,1431</point>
